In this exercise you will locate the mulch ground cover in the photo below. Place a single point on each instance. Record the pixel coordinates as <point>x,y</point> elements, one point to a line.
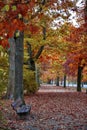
<point>49,111</point>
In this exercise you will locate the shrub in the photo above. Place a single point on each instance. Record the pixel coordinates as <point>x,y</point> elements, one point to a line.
<point>3,73</point>
<point>30,85</point>
<point>3,81</point>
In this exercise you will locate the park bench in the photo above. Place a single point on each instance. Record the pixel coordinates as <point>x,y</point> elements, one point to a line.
<point>20,108</point>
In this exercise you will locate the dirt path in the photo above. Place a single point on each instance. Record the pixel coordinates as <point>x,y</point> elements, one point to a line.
<point>54,89</point>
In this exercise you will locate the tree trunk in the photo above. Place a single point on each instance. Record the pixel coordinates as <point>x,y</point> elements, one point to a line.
<point>57,81</point>
<point>64,81</point>
<point>37,74</point>
<point>44,33</point>
<point>18,91</point>
<point>31,61</point>
<point>85,12</point>
<point>79,76</point>
<point>19,104</point>
<point>11,80</point>
<point>31,64</point>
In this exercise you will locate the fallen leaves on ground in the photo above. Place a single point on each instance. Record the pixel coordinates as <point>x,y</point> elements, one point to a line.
<point>49,111</point>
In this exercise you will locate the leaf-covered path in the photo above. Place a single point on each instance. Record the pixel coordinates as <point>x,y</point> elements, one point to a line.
<point>50,111</point>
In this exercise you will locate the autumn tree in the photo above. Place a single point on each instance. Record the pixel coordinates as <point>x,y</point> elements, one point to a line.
<point>12,18</point>
<point>77,56</point>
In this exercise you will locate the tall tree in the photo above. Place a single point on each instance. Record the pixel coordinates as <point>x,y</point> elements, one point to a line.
<point>77,55</point>
<point>18,91</point>
<point>11,81</point>
<point>14,12</point>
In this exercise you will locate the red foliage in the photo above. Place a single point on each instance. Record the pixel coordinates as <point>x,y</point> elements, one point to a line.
<point>22,9</point>
<point>1,4</point>
<point>33,28</point>
<point>44,58</point>
<point>4,43</point>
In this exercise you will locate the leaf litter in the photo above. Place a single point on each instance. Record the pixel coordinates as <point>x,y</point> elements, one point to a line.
<point>49,111</point>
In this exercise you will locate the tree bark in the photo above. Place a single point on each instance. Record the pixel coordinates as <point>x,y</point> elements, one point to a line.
<point>57,81</point>
<point>64,81</point>
<point>39,52</point>
<point>85,12</point>
<point>11,80</point>
<point>37,74</point>
<point>18,91</point>
<point>44,33</point>
<point>31,60</point>
<point>79,76</point>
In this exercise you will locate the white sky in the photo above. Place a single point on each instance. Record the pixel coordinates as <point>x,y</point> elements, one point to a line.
<point>73,17</point>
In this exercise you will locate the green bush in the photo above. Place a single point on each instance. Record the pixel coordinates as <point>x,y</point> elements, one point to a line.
<point>3,72</point>
<point>30,85</point>
<point>3,81</point>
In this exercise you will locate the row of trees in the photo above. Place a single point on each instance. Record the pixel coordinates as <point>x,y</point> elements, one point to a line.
<point>32,20</point>
<point>70,53</point>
